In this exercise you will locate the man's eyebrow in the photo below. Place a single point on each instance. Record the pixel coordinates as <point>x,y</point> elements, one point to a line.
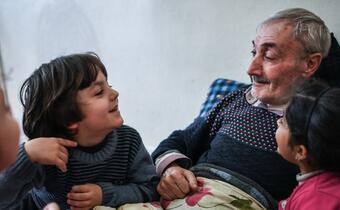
<point>269,45</point>
<point>266,44</point>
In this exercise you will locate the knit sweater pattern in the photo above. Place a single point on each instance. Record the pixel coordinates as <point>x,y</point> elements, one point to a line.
<point>240,137</point>
<point>115,167</point>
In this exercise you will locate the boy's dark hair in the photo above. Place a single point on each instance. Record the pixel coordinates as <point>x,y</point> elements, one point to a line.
<point>49,94</point>
<point>313,118</point>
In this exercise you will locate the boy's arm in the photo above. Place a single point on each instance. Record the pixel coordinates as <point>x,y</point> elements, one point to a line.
<point>141,186</point>
<point>18,179</point>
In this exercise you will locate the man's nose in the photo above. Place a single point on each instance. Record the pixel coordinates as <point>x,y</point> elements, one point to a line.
<point>255,66</point>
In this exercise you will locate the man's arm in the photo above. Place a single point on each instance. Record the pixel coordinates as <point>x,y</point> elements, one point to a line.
<point>174,156</point>
<point>189,144</point>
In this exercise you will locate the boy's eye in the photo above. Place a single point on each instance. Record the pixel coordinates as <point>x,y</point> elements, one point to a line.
<point>99,92</point>
<point>253,52</point>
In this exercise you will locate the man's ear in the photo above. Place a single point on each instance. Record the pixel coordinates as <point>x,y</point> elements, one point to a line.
<point>313,62</point>
<point>301,152</point>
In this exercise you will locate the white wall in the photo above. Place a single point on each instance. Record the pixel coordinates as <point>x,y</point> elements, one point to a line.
<point>161,55</point>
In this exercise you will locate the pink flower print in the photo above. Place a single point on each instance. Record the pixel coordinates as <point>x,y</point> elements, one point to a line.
<point>165,203</point>
<point>193,199</point>
<point>155,204</point>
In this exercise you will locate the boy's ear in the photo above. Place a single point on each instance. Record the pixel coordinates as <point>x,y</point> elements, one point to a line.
<point>73,126</point>
<point>313,62</point>
<point>301,152</point>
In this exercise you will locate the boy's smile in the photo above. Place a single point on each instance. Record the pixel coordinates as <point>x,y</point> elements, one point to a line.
<point>98,104</point>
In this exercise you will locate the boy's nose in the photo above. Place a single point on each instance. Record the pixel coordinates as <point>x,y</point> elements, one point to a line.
<point>114,94</point>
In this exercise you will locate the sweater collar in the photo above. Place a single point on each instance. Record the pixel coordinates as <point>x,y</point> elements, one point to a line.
<point>99,152</point>
<point>303,177</point>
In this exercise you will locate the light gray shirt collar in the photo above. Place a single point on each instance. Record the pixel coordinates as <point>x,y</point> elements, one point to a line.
<point>276,109</point>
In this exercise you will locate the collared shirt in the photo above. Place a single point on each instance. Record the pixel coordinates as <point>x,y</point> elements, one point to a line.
<point>277,109</point>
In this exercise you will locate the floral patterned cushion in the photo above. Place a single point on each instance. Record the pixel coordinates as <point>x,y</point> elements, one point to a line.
<point>213,194</point>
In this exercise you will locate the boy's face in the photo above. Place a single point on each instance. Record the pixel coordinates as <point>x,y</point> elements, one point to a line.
<point>9,135</point>
<point>99,105</point>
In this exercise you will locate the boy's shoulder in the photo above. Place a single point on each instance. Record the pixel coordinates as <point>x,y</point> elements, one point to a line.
<point>126,128</point>
<point>126,132</point>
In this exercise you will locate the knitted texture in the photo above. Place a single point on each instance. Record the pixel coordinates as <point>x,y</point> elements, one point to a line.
<point>121,167</point>
<point>234,117</point>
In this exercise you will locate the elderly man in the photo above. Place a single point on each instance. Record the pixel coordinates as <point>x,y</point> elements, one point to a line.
<point>239,133</point>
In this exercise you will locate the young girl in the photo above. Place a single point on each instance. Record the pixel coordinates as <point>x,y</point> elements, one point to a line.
<point>103,163</point>
<point>309,136</point>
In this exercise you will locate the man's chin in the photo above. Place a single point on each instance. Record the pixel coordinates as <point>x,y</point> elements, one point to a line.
<point>260,95</point>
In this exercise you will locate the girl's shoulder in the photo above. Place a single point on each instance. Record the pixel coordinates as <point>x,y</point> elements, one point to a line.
<point>318,192</point>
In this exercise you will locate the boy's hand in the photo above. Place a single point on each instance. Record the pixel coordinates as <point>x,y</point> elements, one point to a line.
<point>49,151</point>
<point>84,197</point>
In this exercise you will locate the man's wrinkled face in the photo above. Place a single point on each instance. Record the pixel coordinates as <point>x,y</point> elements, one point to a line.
<point>277,65</point>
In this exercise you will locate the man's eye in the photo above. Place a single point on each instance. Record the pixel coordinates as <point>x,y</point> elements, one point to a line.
<point>253,52</point>
<point>268,58</point>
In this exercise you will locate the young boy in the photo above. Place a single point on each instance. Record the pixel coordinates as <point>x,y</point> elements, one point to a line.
<point>103,163</point>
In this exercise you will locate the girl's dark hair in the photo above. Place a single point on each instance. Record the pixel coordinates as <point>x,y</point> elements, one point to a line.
<point>313,118</point>
<point>49,94</point>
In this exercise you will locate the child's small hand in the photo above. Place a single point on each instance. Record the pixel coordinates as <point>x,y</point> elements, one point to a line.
<point>84,197</point>
<point>49,151</point>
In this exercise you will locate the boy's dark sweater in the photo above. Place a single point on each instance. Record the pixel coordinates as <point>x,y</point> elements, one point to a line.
<point>120,165</point>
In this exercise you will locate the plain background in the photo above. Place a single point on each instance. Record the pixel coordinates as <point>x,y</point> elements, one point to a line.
<point>161,55</point>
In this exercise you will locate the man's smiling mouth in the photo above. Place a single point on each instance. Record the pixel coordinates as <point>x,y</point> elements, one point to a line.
<point>259,79</point>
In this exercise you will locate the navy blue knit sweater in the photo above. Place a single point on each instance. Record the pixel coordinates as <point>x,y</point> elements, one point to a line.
<point>121,166</point>
<point>240,137</point>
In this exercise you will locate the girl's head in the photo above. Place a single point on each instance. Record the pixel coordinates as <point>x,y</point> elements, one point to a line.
<point>309,133</point>
<point>49,95</point>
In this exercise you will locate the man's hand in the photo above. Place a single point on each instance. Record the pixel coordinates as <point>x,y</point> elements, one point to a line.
<point>49,151</point>
<point>85,197</point>
<point>177,182</point>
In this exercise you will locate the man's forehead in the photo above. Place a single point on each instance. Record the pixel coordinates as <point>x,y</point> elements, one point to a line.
<point>274,35</point>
